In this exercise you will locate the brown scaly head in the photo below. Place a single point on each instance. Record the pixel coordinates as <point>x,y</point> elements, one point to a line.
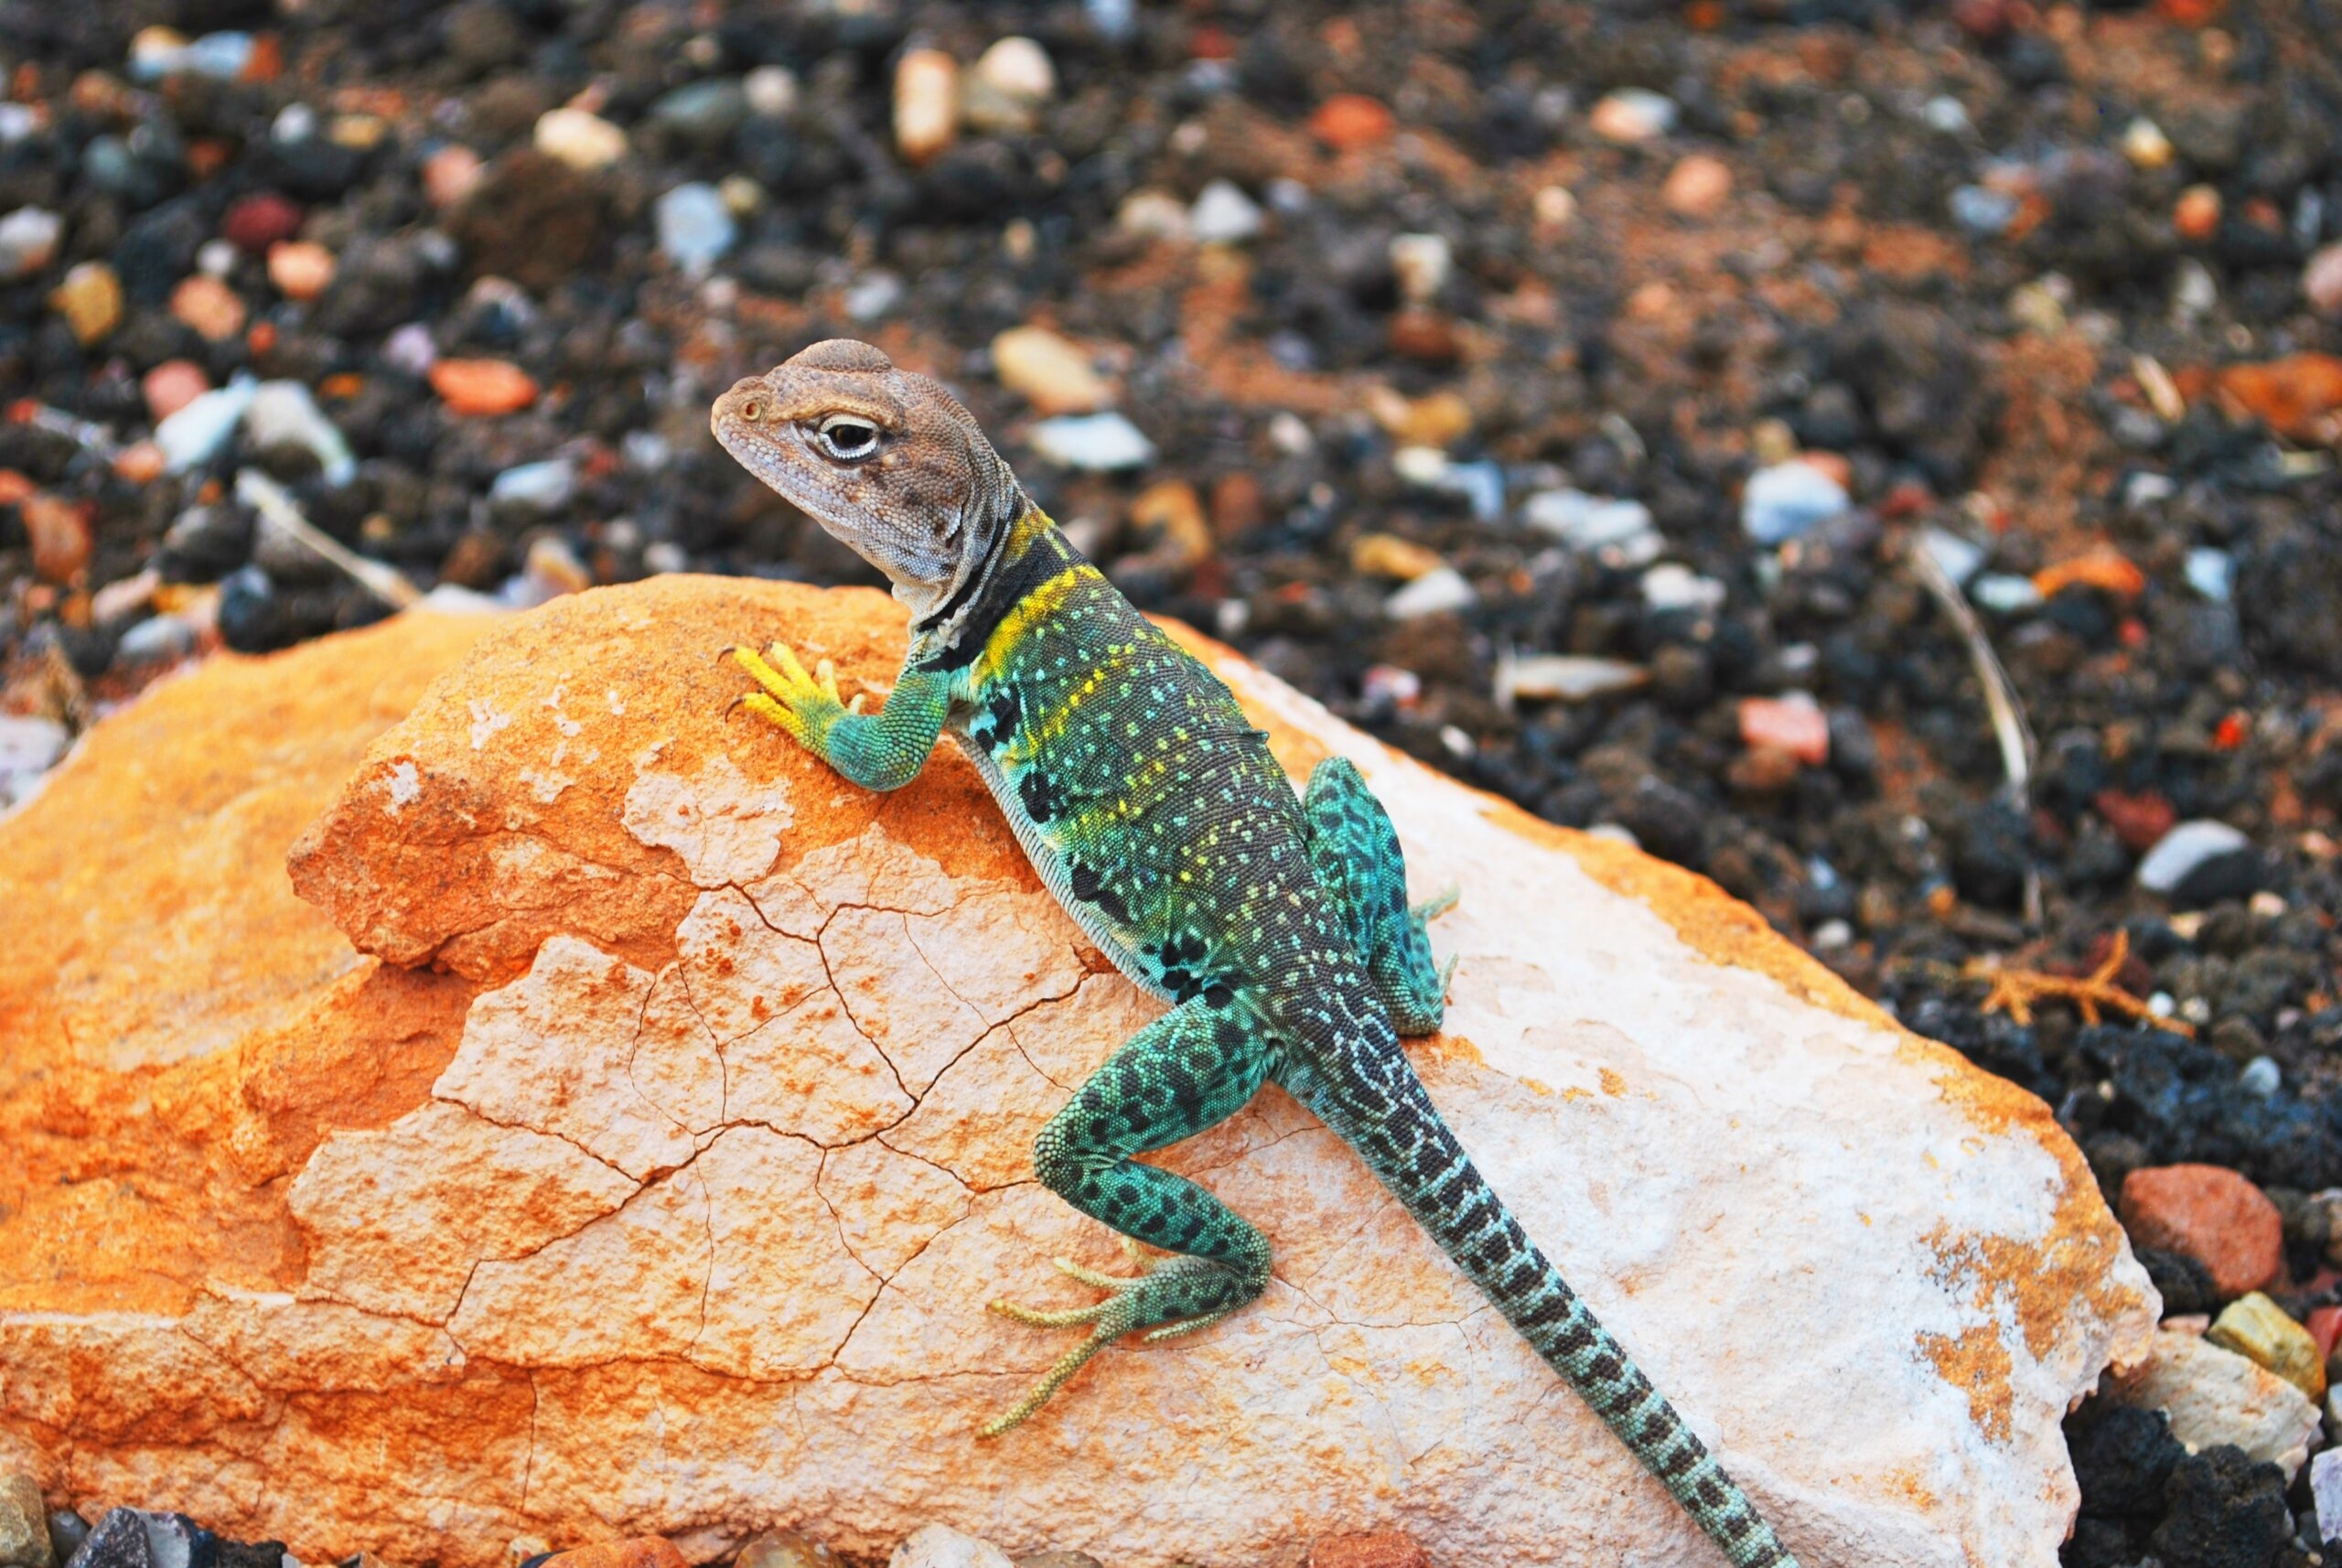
<point>888,462</point>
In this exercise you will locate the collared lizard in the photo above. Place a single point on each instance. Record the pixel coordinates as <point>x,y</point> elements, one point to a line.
<point>1277,926</point>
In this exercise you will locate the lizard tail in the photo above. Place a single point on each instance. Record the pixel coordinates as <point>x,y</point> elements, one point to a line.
<point>1374,1100</point>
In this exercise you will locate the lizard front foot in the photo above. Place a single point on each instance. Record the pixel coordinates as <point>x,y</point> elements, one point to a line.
<point>805,705</point>
<point>1169,1296</point>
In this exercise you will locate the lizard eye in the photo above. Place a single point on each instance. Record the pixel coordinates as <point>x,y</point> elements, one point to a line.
<point>848,437</point>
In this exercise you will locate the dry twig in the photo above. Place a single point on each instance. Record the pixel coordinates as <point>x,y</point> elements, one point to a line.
<point>2015,990</point>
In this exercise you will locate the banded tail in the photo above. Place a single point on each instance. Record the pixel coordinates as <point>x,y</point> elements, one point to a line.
<point>1375,1102</point>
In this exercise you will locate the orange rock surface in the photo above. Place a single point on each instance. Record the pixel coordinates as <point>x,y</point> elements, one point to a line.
<point>624,1137</point>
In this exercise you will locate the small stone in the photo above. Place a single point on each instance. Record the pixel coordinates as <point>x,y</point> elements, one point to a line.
<point>1350,120</point>
<point>29,240</point>
<point>194,433</point>
<point>536,487</point>
<point>2196,215</point>
<point>90,298</point>
<point>1388,556</point>
<point>1981,210</point>
<point>1696,185</point>
<point>2200,861</point>
<point>1761,771</point>
<point>210,306</point>
<point>771,93</point>
<point>1097,443</point>
<point>1565,677</point>
<point>29,747</point>
<point>1382,1549</point>
<point>158,639</point>
<point>24,1529</point>
<point>1050,372</point>
<point>1784,500</point>
<point>939,1546</point>
<point>1440,591</point>
<point>1794,723</point>
<point>786,1549</point>
<point>1170,516</point>
<point>584,142</point>
<point>2258,1329</point>
<point>1670,585</point>
<point>482,387</point>
<point>300,269</point>
<point>2261,1079</point>
<point>1223,215</point>
<point>2215,1396</point>
<point>696,227</point>
<point>123,598</point>
<point>702,112</point>
<point>2211,1214</point>
<point>927,103</point>
<point>1007,86</point>
<point>283,413</point>
<point>2139,821</point>
<point>1422,264</point>
<point>1632,115</point>
<point>1154,215</point>
<point>1588,522</point>
<point>2322,280</point>
<point>640,1551</point>
<point>449,175</point>
<point>59,531</point>
<point>1554,208</point>
<point>118,1540</point>
<point>411,349</point>
<point>2145,146</point>
<point>2005,594</point>
<point>1437,421</point>
<point>253,223</point>
<point>1957,556</point>
<point>2211,573</point>
<point>172,385</point>
<point>67,1532</point>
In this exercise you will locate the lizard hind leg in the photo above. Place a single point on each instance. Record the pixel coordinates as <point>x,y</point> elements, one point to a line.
<point>1195,1065</point>
<point>1355,852</point>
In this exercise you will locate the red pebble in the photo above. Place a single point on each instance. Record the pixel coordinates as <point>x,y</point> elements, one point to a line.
<point>172,385</point>
<point>2325,1325</point>
<point>2139,821</point>
<point>1798,728</point>
<point>255,222</point>
<point>2212,1215</point>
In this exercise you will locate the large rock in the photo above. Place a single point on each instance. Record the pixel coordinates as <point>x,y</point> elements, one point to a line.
<point>650,1170</point>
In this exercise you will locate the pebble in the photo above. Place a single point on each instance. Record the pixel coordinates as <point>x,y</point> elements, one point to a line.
<point>540,486</point>
<point>60,532</point>
<point>696,227</point>
<point>411,349</point>
<point>194,433</point>
<point>1224,215</point>
<point>450,174</point>
<point>1422,264</point>
<point>1481,484</point>
<point>123,598</point>
<point>29,240</point>
<point>2004,594</point>
<point>1670,586</point>
<point>254,222</point>
<point>1957,557</point>
<point>927,103</point>
<point>2322,279</point>
<point>2200,861</point>
<point>171,386</point>
<point>941,1546</point>
<point>1588,522</point>
<point>1048,371</point>
<point>1565,677</point>
<point>1007,86</point>
<point>1096,443</point>
<point>1782,501</point>
<point>583,140</point>
<point>2211,573</point>
<point>1633,115</point>
<point>1440,591</point>
<point>283,413</point>
<point>300,269</point>
<point>1697,185</point>
<point>2211,1214</point>
<point>2196,214</point>
<point>702,112</point>
<point>1388,556</point>
<point>2145,146</point>
<point>770,91</point>
<point>24,1529</point>
<point>1152,214</point>
<point>1794,723</point>
<point>1350,121</point>
<point>2325,1492</point>
<point>1981,210</point>
<point>211,307</point>
<point>482,387</point>
<point>158,639</point>
<point>90,298</point>
<point>29,747</point>
<point>2257,1328</point>
<point>787,1548</point>
<point>2215,1396</point>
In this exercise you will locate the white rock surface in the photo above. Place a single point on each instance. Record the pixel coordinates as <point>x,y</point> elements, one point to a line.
<point>2215,1396</point>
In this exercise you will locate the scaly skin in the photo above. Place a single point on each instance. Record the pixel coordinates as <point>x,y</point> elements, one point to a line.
<point>1277,928</point>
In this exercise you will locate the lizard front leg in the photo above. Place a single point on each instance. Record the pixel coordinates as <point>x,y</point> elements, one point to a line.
<point>884,750</point>
<point>1195,1065</point>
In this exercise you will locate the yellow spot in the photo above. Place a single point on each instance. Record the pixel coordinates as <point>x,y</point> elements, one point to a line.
<point>1613,1083</point>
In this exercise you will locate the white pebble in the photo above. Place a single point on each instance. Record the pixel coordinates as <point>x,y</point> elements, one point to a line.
<point>1224,215</point>
<point>580,140</point>
<point>195,434</point>
<point>2184,848</point>
<point>2261,1077</point>
<point>1094,441</point>
<point>1422,262</point>
<point>1784,500</point>
<point>771,92</point>
<point>541,487</point>
<point>1633,115</point>
<point>2211,573</point>
<point>1441,589</point>
<point>2005,594</point>
<point>29,240</point>
<point>696,227</point>
<point>1670,586</point>
<point>284,413</point>
<point>1155,214</point>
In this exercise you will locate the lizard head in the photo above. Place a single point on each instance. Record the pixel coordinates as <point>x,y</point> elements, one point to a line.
<point>887,462</point>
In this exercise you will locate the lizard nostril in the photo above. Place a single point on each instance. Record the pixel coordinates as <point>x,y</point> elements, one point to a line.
<point>752,410</point>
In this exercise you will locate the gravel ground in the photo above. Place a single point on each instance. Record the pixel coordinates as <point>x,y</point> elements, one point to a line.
<point>1668,420</point>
